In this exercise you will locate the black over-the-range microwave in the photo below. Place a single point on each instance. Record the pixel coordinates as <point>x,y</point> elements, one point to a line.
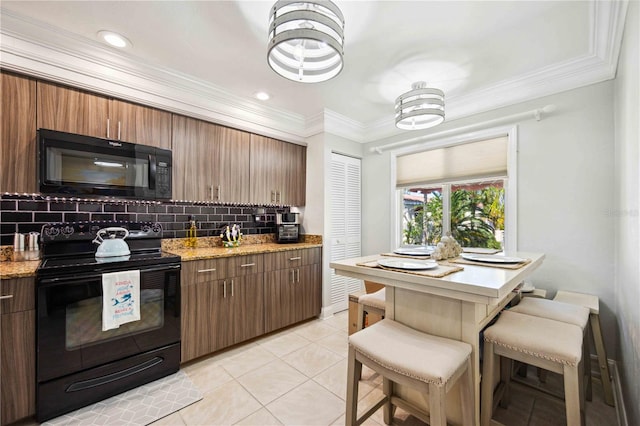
<point>80,166</point>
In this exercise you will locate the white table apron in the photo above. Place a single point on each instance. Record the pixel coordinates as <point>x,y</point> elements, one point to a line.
<point>457,306</point>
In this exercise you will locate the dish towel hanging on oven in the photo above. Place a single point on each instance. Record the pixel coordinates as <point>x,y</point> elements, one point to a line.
<point>120,298</point>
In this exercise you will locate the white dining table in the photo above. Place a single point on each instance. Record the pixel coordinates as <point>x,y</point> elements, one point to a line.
<point>456,306</point>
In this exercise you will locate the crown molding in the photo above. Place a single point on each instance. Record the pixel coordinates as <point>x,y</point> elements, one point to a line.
<point>599,64</point>
<point>329,121</point>
<point>47,52</point>
<point>50,53</point>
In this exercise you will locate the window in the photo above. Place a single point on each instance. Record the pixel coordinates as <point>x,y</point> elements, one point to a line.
<point>475,219</point>
<point>463,188</point>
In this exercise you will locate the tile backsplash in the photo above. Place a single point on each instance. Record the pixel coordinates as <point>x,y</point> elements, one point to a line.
<point>27,213</point>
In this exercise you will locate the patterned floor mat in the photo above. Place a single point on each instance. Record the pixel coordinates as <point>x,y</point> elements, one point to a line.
<point>139,406</point>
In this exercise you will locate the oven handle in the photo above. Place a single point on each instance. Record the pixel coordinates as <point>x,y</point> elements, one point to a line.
<point>84,277</point>
<point>99,381</point>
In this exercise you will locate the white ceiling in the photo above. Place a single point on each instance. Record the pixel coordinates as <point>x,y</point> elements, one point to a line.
<point>208,58</point>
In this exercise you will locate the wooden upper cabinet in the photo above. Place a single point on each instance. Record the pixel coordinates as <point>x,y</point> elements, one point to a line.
<point>18,144</point>
<point>71,110</point>
<point>266,172</point>
<point>233,166</point>
<point>75,111</point>
<point>139,124</point>
<point>194,155</point>
<point>278,172</point>
<point>210,162</point>
<point>295,175</point>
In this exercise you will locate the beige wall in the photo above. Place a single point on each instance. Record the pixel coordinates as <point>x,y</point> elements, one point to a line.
<point>565,193</point>
<point>316,214</point>
<point>626,214</point>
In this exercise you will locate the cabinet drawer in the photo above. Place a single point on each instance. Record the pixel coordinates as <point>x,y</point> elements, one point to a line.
<point>200,271</point>
<point>297,258</point>
<point>244,265</point>
<point>17,294</point>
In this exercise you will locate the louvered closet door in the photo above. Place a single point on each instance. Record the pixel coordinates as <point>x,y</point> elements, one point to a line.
<point>345,224</point>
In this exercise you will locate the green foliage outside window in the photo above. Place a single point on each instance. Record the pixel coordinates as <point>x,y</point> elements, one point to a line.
<point>475,216</point>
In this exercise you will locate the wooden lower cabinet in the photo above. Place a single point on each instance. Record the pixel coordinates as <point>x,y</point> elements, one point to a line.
<point>17,350</point>
<point>292,295</point>
<point>218,308</point>
<point>247,307</point>
<point>237,311</point>
<point>230,300</point>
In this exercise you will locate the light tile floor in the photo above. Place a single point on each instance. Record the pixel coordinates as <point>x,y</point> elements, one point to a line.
<point>298,377</point>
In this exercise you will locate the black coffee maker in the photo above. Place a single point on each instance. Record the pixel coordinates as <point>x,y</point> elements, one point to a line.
<point>287,227</point>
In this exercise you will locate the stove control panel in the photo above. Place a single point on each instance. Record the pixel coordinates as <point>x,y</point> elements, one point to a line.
<point>81,231</point>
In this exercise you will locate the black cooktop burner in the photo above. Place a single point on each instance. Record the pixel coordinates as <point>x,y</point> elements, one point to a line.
<point>69,249</point>
<point>80,265</point>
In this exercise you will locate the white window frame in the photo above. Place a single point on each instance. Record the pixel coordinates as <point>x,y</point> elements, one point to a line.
<point>510,244</point>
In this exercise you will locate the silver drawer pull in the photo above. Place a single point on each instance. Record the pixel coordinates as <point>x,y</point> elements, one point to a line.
<point>247,265</point>
<point>8,296</point>
<point>295,258</point>
<point>206,270</point>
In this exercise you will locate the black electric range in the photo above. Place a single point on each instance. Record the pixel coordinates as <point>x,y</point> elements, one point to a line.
<point>81,360</point>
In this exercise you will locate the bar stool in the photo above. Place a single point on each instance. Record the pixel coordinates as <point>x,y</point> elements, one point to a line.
<point>592,303</point>
<point>564,312</point>
<point>402,355</point>
<point>373,303</point>
<point>541,342</point>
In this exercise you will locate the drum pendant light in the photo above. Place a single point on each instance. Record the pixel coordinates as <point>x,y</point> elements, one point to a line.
<point>306,40</point>
<point>420,108</point>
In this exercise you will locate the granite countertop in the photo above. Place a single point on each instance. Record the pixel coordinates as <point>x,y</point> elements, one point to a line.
<point>206,248</point>
<point>24,269</point>
<point>199,253</point>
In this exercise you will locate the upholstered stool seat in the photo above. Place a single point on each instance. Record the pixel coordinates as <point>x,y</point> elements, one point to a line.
<point>592,303</point>
<point>558,311</point>
<point>552,345</point>
<point>565,312</point>
<point>402,355</point>
<point>372,303</point>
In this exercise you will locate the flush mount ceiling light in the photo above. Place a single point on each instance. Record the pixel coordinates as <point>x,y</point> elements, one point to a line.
<point>114,39</point>
<point>420,108</point>
<point>306,40</point>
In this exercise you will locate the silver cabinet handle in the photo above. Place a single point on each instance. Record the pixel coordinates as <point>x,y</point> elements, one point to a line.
<point>206,270</point>
<point>231,288</point>
<point>108,125</point>
<point>246,265</point>
<point>224,289</point>
<point>218,193</point>
<point>119,138</point>
<point>278,196</point>
<point>295,258</point>
<point>293,276</point>
<point>298,274</point>
<point>273,196</point>
<point>211,192</point>
<point>8,296</point>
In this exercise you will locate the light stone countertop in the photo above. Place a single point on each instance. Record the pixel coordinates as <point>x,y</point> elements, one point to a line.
<point>199,253</point>
<point>9,270</point>
<point>207,248</point>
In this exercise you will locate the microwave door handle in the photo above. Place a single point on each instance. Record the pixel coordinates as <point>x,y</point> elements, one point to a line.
<point>152,171</point>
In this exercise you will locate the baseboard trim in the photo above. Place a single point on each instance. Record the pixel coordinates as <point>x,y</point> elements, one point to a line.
<point>617,394</point>
<point>326,312</point>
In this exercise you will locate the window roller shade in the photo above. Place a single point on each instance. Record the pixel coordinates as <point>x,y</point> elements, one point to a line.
<point>487,158</point>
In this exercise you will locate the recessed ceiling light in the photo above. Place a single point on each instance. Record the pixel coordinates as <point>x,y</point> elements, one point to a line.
<point>263,96</point>
<point>114,39</point>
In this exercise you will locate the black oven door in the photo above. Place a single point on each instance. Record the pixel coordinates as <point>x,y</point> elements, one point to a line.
<point>69,326</point>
